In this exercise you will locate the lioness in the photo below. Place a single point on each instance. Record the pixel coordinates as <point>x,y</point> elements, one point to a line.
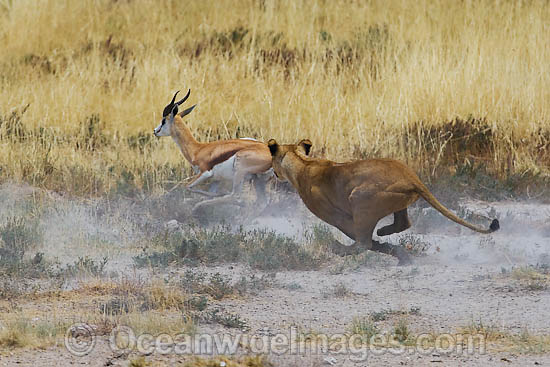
<point>354,196</point>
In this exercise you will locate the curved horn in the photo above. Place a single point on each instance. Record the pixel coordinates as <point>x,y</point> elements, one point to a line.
<point>184,98</point>
<point>174,98</point>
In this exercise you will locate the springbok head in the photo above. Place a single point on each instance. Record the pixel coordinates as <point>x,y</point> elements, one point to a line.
<point>169,113</point>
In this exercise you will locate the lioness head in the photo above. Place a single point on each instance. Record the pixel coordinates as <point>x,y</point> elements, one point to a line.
<point>279,153</point>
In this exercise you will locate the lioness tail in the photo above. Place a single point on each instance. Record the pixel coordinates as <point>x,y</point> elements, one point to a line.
<point>428,196</point>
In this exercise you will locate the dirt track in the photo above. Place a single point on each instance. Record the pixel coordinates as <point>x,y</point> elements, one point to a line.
<point>463,279</point>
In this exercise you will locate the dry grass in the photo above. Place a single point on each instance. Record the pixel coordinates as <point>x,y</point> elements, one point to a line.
<point>22,332</point>
<point>499,340</point>
<point>440,85</point>
<point>245,361</point>
<point>532,278</point>
<point>40,319</point>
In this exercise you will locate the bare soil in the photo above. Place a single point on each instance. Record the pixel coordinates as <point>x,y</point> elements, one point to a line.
<point>462,279</point>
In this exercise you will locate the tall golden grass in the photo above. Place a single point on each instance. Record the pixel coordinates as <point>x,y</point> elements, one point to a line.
<point>441,85</point>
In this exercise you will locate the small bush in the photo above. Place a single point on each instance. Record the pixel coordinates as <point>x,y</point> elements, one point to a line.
<point>339,290</point>
<point>292,286</point>
<point>15,334</point>
<point>321,235</point>
<point>198,303</point>
<point>220,287</point>
<point>221,317</point>
<point>261,249</point>
<point>10,289</point>
<point>139,362</point>
<point>489,332</point>
<point>130,296</point>
<point>414,244</point>
<point>17,237</point>
<point>245,361</point>
<point>86,266</point>
<point>271,251</point>
<point>401,331</point>
<point>384,314</point>
<point>216,286</point>
<point>254,284</point>
<point>193,282</point>
<point>532,278</point>
<point>365,327</point>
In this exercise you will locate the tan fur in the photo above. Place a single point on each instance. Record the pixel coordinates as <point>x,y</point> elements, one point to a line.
<point>354,196</point>
<point>251,158</point>
<point>256,158</point>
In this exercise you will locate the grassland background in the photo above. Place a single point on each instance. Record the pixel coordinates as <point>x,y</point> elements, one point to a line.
<point>446,86</point>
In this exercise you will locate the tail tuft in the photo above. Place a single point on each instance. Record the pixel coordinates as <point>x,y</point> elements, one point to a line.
<point>495,225</point>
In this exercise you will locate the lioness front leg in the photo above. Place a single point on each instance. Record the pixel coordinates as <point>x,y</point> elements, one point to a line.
<point>360,229</point>
<point>368,210</point>
<point>397,251</point>
<point>341,220</point>
<point>342,250</point>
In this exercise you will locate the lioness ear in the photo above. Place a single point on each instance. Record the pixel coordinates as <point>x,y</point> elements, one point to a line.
<point>273,146</point>
<point>305,144</point>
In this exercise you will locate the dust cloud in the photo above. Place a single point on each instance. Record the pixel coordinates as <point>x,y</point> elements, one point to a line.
<point>73,227</point>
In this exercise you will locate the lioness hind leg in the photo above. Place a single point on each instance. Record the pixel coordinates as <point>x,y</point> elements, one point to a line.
<point>400,223</point>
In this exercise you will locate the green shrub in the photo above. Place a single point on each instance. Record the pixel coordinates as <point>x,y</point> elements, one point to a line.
<point>17,237</point>
<point>261,249</point>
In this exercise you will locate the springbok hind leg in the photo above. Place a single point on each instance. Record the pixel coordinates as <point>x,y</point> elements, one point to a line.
<point>231,198</point>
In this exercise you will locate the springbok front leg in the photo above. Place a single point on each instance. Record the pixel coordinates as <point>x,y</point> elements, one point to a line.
<point>201,177</point>
<point>225,199</point>
<point>246,162</point>
<point>260,181</point>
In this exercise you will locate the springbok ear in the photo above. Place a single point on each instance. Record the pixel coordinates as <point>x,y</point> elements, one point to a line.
<point>273,146</point>
<point>306,145</point>
<point>187,111</point>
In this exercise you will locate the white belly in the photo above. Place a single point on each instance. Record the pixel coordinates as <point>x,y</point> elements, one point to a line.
<point>224,170</point>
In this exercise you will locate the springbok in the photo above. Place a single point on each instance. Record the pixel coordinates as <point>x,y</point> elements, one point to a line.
<point>232,160</point>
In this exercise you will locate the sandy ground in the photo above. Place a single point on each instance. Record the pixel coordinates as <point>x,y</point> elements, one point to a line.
<point>463,279</point>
